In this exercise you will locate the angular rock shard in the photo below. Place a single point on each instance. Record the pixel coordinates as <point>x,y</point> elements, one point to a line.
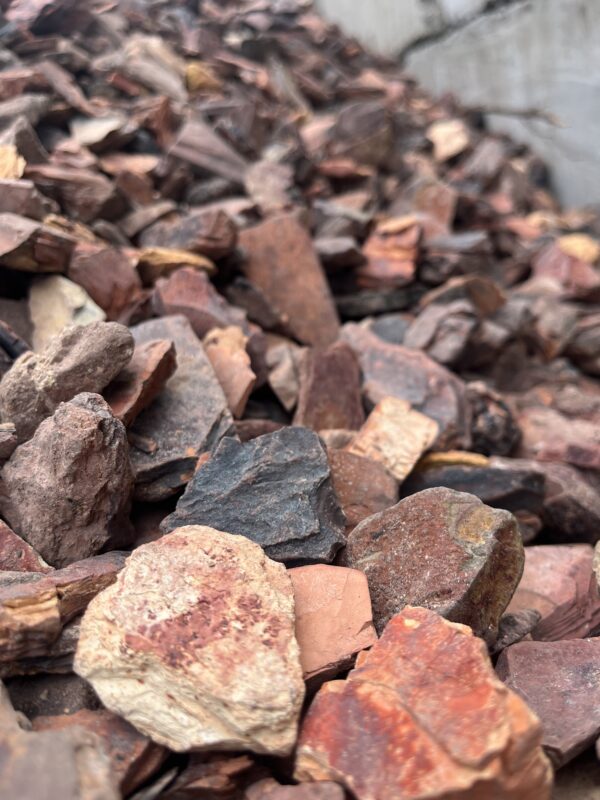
<point>195,645</point>
<point>392,730</point>
<point>55,303</point>
<point>275,489</point>
<point>18,556</point>
<point>226,351</point>
<point>363,486</point>
<point>441,549</point>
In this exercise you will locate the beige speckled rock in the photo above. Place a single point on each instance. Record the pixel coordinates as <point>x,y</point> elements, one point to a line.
<point>194,645</point>
<point>54,303</point>
<point>395,435</point>
<point>226,351</point>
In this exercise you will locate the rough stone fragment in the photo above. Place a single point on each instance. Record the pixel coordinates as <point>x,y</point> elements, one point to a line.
<point>139,383</point>
<point>160,262</point>
<point>571,504</point>
<point>392,730</point>
<point>18,556</point>
<point>188,418</point>
<point>210,233</point>
<point>32,247</point>
<point>395,435</point>
<point>269,789</point>
<point>195,645</point>
<point>329,392</point>
<point>81,359</point>
<point>283,361</point>
<point>397,371</point>
<point>226,351</point>
<point>334,620</point>
<point>548,435</point>
<point>275,489</point>
<point>441,549</point>
<point>363,486</point>
<point>8,441</point>
<point>445,332</point>
<point>391,252</point>
<point>282,262</point>
<point>133,757</point>
<point>68,489</point>
<point>55,303</point>
<point>513,627</point>
<point>212,777</point>
<point>450,137</point>
<point>494,430</point>
<point>560,683</point>
<point>558,581</point>
<point>578,279</point>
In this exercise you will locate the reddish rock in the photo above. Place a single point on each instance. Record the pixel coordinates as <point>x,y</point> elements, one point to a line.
<point>579,279</point>
<point>391,252</point>
<point>133,757</point>
<point>282,262</point>
<point>18,556</point>
<point>560,684</point>
<point>283,359</point>
<point>441,549</point>
<point>269,789</point>
<point>334,620</point>
<point>226,351</point>
<point>363,486</point>
<point>397,371</point>
<point>248,429</point>
<point>107,274</point>
<point>558,581</point>
<point>548,435</point>
<point>212,777</point>
<point>395,435</point>
<point>394,730</point>
<point>329,392</point>
<point>142,380</point>
<point>210,233</point>
<point>8,440</point>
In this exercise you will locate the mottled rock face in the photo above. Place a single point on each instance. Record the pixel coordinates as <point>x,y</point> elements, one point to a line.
<point>81,359</point>
<point>68,490</point>
<point>275,489</point>
<point>269,789</point>
<point>551,436</point>
<point>362,486</point>
<point>18,556</point>
<point>226,351</point>
<point>560,682</point>
<point>441,549</point>
<point>195,645</point>
<point>394,730</point>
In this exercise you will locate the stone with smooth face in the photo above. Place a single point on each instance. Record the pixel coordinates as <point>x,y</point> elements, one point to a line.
<point>334,620</point>
<point>559,582</point>
<point>275,489</point>
<point>55,303</point>
<point>226,351</point>
<point>195,645</point>
<point>441,549</point>
<point>188,418</point>
<point>560,682</point>
<point>395,730</point>
<point>395,435</point>
<point>363,486</point>
<point>548,435</point>
<point>18,556</point>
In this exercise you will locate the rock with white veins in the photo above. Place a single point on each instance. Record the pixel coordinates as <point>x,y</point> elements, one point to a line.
<point>194,645</point>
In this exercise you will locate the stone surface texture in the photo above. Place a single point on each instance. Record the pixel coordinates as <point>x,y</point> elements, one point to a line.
<point>363,486</point>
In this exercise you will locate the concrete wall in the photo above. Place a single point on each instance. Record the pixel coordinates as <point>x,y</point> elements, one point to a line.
<point>513,57</point>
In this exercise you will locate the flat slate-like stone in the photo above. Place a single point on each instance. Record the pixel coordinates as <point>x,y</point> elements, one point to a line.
<point>275,489</point>
<point>441,549</point>
<point>188,418</point>
<point>396,730</point>
<point>560,682</point>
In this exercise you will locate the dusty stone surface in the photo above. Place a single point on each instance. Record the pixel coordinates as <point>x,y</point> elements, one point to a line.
<point>55,303</point>
<point>48,695</point>
<point>81,359</point>
<point>548,435</point>
<point>188,418</point>
<point>395,435</point>
<point>226,351</point>
<point>441,549</point>
<point>329,389</point>
<point>18,556</point>
<point>391,730</point>
<point>559,582</point>
<point>275,489</point>
<point>560,684</point>
<point>269,789</point>
<point>142,380</point>
<point>334,620</point>
<point>67,491</point>
<point>514,627</point>
<point>397,371</point>
<point>8,440</point>
<point>363,486</point>
<point>195,645</point>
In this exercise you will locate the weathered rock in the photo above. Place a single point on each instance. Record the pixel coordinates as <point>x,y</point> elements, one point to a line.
<point>514,627</point>
<point>445,332</point>
<point>282,262</point>
<point>395,435</point>
<point>441,549</point>
<point>548,435</point>
<point>160,262</point>
<point>55,303</point>
<point>32,247</point>
<point>133,757</point>
<point>559,682</point>
<point>558,581</point>
<point>188,418</point>
<point>8,441</point>
<point>210,233</point>
<point>212,777</point>
<point>571,504</point>
<point>329,391</point>
<point>226,351</point>
<point>275,489</point>
<point>363,486</point>
<point>43,695</point>
<point>391,730</point>
<point>18,556</point>
<point>269,789</point>
<point>142,380</point>
<point>397,371</point>
<point>284,358</point>
<point>81,359</point>
<point>334,620</point>
<point>68,489</point>
<point>195,645</point>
